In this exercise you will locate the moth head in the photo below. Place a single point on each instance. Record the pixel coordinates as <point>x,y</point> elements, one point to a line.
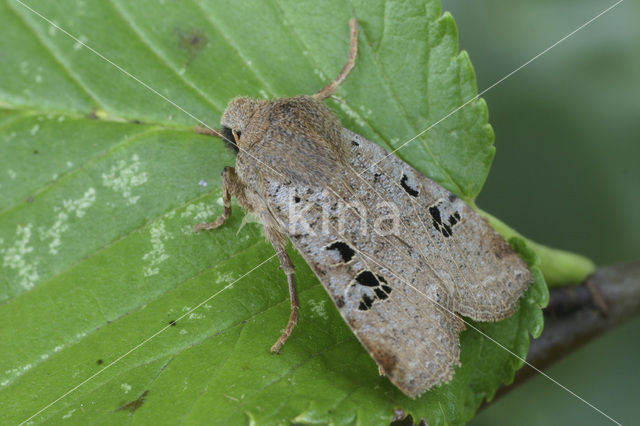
<point>235,119</point>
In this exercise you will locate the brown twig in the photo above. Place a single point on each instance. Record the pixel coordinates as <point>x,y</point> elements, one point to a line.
<point>577,314</point>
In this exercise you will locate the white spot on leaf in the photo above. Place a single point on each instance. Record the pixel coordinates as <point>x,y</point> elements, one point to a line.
<point>69,414</point>
<point>123,177</point>
<point>366,111</point>
<point>352,114</point>
<point>318,308</point>
<point>77,207</point>
<point>320,74</point>
<point>157,254</point>
<point>225,278</point>
<point>16,372</point>
<point>196,213</point>
<point>125,387</point>
<point>78,44</point>
<point>15,257</point>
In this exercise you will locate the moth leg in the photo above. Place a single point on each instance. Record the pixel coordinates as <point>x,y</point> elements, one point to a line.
<point>278,242</point>
<point>208,131</point>
<point>231,186</point>
<point>330,88</point>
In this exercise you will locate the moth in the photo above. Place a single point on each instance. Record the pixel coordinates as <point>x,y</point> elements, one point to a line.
<point>401,257</point>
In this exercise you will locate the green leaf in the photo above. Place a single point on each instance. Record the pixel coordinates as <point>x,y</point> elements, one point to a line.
<point>95,235</point>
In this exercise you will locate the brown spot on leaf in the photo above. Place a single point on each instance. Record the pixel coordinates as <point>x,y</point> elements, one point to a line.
<point>192,40</point>
<point>135,404</point>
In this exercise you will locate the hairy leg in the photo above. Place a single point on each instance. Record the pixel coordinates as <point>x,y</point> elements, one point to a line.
<point>231,186</point>
<point>278,242</point>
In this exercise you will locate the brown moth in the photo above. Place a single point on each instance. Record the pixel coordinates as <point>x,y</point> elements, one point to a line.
<point>399,255</point>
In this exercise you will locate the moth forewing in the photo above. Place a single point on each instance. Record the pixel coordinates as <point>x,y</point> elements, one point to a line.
<point>399,292</point>
<point>399,255</point>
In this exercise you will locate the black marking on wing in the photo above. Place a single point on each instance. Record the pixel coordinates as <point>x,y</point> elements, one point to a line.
<point>444,227</point>
<point>367,278</point>
<point>411,191</point>
<point>374,282</point>
<point>346,252</point>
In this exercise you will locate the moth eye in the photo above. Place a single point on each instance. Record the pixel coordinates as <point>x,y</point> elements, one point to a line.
<point>229,139</point>
<point>345,251</point>
<point>404,183</point>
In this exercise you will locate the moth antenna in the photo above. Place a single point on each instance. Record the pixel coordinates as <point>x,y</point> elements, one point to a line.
<point>208,131</point>
<point>330,88</point>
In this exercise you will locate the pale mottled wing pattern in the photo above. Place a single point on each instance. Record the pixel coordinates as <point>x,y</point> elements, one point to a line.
<point>478,267</point>
<point>398,291</point>
<point>363,275</point>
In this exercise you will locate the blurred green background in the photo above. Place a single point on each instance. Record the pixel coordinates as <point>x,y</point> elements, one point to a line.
<point>565,173</point>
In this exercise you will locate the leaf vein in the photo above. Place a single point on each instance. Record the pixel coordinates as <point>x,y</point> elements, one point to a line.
<point>216,27</point>
<point>158,54</point>
<point>401,108</point>
<point>56,57</point>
